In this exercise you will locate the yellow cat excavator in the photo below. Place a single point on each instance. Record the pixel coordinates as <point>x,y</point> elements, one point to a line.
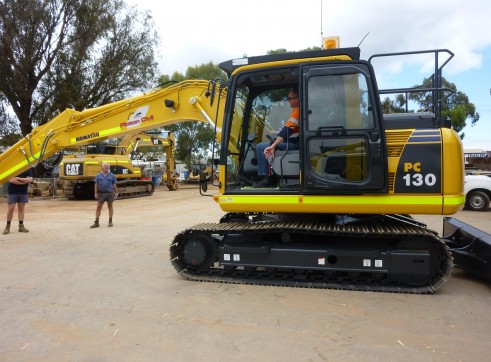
<point>337,215</point>
<point>79,167</point>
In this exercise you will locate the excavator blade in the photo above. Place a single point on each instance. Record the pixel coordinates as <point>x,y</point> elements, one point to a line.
<point>470,247</point>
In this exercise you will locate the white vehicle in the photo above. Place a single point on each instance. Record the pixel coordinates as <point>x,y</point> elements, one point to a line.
<point>477,189</point>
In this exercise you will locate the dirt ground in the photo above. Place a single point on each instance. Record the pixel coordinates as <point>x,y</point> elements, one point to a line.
<point>70,293</point>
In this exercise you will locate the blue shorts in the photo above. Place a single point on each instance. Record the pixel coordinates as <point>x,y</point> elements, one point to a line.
<point>16,198</point>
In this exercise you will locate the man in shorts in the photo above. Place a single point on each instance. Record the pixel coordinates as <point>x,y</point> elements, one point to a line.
<point>105,190</point>
<point>17,195</point>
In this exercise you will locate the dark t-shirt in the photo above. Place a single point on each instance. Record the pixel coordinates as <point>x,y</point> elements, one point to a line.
<point>19,189</point>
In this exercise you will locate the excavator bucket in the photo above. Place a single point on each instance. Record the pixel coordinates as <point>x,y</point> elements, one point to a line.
<point>470,247</point>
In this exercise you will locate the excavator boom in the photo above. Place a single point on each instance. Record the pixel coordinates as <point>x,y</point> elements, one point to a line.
<point>182,102</point>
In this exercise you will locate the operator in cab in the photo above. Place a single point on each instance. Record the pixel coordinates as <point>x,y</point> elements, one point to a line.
<point>287,139</point>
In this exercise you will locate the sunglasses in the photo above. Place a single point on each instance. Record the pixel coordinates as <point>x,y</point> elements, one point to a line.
<point>290,98</point>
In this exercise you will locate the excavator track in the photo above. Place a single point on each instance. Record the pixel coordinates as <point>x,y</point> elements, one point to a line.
<point>364,257</point>
<point>135,188</point>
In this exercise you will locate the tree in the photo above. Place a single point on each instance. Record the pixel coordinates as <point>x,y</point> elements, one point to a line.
<point>9,133</point>
<point>71,53</point>
<point>194,140</point>
<point>394,105</point>
<point>283,50</point>
<point>456,106</point>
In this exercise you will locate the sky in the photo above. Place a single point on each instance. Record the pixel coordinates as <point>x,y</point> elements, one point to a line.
<point>193,32</point>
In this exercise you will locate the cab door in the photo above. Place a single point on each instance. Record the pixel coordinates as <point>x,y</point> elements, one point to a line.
<point>343,138</point>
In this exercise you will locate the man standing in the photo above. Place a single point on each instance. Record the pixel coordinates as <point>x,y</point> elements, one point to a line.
<point>17,195</point>
<point>105,189</point>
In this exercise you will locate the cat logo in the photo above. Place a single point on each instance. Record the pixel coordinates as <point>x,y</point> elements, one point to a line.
<point>73,169</point>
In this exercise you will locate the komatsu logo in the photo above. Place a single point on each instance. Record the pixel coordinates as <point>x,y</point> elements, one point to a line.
<point>87,136</point>
<point>73,169</point>
<point>137,118</point>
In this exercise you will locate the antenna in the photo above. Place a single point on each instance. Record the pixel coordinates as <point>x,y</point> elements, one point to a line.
<point>363,39</point>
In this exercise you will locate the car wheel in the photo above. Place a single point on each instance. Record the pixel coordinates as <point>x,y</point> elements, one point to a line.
<point>477,201</point>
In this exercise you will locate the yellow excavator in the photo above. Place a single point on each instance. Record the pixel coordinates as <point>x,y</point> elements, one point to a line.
<point>79,166</point>
<point>338,215</point>
<point>197,171</point>
<point>132,143</point>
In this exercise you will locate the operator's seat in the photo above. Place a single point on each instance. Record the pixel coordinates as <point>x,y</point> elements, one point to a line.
<point>286,165</point>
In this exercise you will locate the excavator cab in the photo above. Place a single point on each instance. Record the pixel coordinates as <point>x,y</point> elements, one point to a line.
<point>342,143</point>
<point>362,161</point>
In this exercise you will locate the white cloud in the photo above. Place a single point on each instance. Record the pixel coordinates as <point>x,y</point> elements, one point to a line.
<point>195,32</point>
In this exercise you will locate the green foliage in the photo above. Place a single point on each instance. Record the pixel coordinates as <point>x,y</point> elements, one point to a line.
<point>278,51</point>
<point>283,50</point>
<point>9,131</point>
<point>394,105</point>
<point>166,81</point>
<point>59,54</point>
<point>194,140</point>
<point>456,106</point>
<point>207,71</point>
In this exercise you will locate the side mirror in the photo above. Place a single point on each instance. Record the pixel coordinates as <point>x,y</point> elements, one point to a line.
<point>213,89</point>
<point>203,183</point>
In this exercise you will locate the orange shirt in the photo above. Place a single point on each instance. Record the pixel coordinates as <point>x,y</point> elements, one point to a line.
<point>293,122</point>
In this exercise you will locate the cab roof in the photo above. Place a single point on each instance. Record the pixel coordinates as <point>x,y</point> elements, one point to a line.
<point>230,65</point>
